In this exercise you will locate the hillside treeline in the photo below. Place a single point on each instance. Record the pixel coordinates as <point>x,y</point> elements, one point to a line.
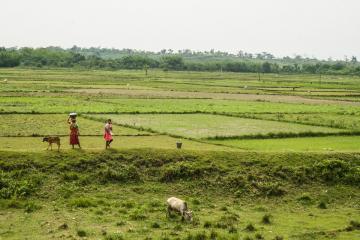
<point>181,61</point>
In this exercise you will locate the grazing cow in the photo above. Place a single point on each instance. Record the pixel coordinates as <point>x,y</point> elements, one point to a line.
<point>52,140</point>
<point>180,206</point>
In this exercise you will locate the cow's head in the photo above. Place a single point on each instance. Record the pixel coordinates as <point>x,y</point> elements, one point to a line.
<point>188,215</point>
<point>45,139</point>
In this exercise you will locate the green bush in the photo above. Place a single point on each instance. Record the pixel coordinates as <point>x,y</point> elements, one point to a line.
<point>122,173</point>
<point>81,233</point>
<point>186,171</point>
<point>82,202</point>
<point>31,207</point>
<point>266,219</point>
<point>114,236</point>
<point>11,187</point>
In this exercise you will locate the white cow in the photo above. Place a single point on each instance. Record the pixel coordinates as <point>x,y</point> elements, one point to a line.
<point>180,206</point>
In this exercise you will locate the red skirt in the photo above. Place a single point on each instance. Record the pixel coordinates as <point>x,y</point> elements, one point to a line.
<point>107,136</point>
<point>74,139</point>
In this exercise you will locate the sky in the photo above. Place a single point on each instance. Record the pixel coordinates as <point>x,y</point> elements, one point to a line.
<point>313,28</point>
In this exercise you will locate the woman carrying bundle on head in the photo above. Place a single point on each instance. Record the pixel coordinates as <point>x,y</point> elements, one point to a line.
<point>74,130</point>
<point>108,135</point>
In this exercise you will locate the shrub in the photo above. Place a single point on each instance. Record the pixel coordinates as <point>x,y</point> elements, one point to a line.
<point>186,171</point>
<point>70,176</point>
<point>81,233</point>
<point>259,236</point>
<point>213,235</point>
<point>114,236</point>
<point>247,238</point>
<point>155,225</point>
<point>207,224</point>
<point>121,223</point>
<point>271,189</point>
<point>195,202</point>
<point>332,170</point>
<point>123,173</point>
<point>128,204</point>
<point>232,229</point>
<point>322,205</point>
<point>82,203</point>
<point>266,219</point>
<point>354,225</point>
<point>305,198</point>
<point>31,207</point>
<point>11,187</point>
<point>137,215</point>
<point>250,227</point>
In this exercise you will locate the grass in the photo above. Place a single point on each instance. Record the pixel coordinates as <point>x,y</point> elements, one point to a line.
<point>53,124</point>
<point>273,185</point>
<point>98,143</point>
<point>305,144</point>
<point>79,212</point>
<point>346,121</point>
<point>205,125</point>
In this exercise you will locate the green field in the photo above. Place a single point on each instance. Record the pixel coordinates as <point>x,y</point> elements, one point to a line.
<point>275,158</point>
<point>317,144</point>
<point>205,125</point>
<point>53,124</point>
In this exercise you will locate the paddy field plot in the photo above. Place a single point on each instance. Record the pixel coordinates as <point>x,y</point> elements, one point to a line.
<point>54,124</point>
<point>209,125</point>
<point>99,104</point>
<point>344,121</point>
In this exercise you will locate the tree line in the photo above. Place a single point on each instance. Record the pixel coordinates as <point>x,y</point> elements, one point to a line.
<point>180,61</point>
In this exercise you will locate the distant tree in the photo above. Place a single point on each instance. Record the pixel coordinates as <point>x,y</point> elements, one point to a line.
<point>266,67</point>
<point>353,59</point>
<point>172,62</point>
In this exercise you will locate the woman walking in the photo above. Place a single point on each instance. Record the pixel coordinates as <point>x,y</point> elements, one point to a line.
<point>74,132</point>
<point>108,135</point>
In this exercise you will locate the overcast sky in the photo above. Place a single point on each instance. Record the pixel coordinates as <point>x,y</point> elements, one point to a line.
<point>320,28</point>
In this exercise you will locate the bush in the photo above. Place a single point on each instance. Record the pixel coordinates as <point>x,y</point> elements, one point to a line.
<point>354,225</point>
<point>82,203</point>
<point>155,225</point>
<point>250,227</point>
<point>81,233</point>
<point>213,235</point>
<point>271,189</point>
<point>266,219</point>
<point>123,173</point>
<point>332,170</point>
<point>207,224</point>
<point>322,205</point>
<point>114,236</point>
<point>259,236</point>
<point>186,171</point>
<point>10,187</point>
<point>31,207</point>
<point>137,215</point>
<point>232,229</point>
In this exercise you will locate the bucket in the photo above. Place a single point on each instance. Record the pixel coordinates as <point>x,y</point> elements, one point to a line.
<point>73,115</point>
<point>178,145</point>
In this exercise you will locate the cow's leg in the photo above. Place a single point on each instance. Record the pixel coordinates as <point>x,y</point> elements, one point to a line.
<point>58,147</point>
<point>51,146</point>
<point>48,147</point>
<point>168,211</point>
